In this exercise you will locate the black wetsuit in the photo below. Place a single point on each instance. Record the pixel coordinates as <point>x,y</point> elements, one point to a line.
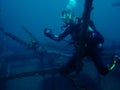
<point>93,47</point>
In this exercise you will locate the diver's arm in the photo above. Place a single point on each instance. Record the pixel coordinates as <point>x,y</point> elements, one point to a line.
<point>48,33</point>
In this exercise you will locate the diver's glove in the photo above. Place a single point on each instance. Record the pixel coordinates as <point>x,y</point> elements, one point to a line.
<point>48,32</point>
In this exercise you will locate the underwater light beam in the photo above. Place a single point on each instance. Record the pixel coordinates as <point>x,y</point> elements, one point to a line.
<point>71,4</point>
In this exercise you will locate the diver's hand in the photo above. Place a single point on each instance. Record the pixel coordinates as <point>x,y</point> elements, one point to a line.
<point>47,31</point>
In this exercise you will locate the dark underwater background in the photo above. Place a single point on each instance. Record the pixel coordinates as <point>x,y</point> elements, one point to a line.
<point>22,68</point>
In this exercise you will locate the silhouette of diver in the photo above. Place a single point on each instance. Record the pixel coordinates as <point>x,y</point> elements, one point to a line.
<point>93,45</point>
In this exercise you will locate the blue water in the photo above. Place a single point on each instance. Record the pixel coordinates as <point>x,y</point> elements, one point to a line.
<point>36,15</point>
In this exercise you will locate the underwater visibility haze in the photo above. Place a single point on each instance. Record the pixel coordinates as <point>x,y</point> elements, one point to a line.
<point>23,67</point>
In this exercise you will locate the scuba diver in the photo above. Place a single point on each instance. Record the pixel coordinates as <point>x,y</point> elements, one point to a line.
<point>93,46</point>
